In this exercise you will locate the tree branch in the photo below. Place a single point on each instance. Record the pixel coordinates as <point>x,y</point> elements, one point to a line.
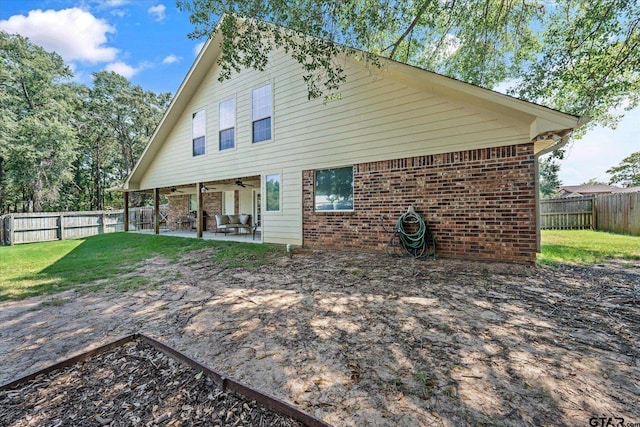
<point>26,94</point>
<point>409,29</point>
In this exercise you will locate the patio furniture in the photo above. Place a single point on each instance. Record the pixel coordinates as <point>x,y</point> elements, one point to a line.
<point>224,223</point>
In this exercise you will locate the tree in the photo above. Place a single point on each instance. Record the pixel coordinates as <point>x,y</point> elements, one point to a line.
<point>580,56</point>
<point>549,181</point>
<point>114,125</point>
<point>627,172</point>
<point>63,145</point>
<point>37,141</point>
<point>593,181</point>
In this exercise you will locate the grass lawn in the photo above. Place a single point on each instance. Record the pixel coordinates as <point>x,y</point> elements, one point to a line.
<point>587,247</point>
<point>43,268</point>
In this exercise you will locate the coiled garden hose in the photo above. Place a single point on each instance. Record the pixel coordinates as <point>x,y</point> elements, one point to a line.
<point>415,243</point>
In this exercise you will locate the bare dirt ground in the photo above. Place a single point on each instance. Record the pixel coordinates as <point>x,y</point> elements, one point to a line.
<point>364,339</point>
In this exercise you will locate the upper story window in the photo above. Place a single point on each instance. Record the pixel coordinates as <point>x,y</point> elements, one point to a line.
<point>261,113</point>
<point>227,123</point>
<point>198,129</point>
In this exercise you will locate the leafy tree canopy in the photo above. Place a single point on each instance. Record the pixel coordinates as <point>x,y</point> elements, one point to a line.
<point>627,172</point>
<point>580,56</point>
<point>549,180</point>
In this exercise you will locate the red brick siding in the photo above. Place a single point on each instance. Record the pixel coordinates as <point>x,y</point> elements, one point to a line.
<point>212,205</point>
<point>479,203</point>
<point>179,206</point>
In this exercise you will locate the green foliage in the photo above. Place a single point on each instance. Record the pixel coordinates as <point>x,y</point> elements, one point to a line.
<point>579,56</point>
<point>549,181</point>
<point>587,247</point>
<point>114,124</point>
<point>37,141</point>
<point>63,145</point>
<point>589,60</point>
<point>110,260</point>
<point>627,172</point>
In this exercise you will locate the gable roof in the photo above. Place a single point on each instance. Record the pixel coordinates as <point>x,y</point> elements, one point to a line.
<point>549,128</point>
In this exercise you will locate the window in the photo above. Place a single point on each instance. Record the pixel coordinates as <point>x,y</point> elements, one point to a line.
<point>198,125</point>
<point>261,113</point>
<point>273,192</point>
<point>193,202</point>
<point>227,123</point>
<point>334,189</point>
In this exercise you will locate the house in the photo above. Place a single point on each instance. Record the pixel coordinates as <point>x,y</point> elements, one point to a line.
<point>331,174</point>
<point>593,190</point>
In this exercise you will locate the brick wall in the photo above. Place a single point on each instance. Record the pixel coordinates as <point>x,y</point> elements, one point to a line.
<point>478,203</point>
<point>212,205</point>
<point>179,206</point>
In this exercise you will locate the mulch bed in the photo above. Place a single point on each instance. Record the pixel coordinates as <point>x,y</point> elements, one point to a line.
<point>131,385</point>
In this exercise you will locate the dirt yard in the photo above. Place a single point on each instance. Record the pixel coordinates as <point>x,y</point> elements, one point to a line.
<point>360,339</point>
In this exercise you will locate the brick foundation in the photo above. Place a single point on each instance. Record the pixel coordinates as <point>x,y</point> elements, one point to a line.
<point>479,204</point>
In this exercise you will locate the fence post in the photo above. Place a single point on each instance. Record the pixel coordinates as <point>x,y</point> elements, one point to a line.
<point>11,231</point>
<point>594,212</point>
<point>104,220</point>
<point>61,226</point>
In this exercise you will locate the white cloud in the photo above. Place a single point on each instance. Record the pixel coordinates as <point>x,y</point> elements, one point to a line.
<point>198,48</point>
<point>114,3</point>
<point>171,59</point>
<point>120,13</point>
<point>157,12</point>
<point>73,33</point>
<point>125,70</point>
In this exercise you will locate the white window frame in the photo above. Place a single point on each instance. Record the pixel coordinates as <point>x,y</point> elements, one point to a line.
<point>197,134</point>
<point>226,125</point>
<point>259,115</point>
<point>265,199</point>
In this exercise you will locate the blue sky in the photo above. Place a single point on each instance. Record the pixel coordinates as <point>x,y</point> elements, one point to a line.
<point>146,41</point>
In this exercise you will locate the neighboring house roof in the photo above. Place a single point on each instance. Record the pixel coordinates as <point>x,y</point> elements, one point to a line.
<point>547,127</point>
<point>628,190</point>
<point>591,189</point>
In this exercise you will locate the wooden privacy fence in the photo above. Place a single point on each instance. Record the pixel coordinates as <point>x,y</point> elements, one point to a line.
<point>616,213</point>
<point>575,213</point>
<point>619,213</point>
<point>17,228</point>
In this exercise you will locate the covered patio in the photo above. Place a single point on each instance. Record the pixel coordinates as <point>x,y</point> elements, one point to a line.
<point>193,210</point>
<point>229,237</point>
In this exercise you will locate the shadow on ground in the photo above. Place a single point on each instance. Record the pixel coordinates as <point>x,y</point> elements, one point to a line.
<point>362,339</point>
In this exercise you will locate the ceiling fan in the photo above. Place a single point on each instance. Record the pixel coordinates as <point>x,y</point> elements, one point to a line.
<point>242,184</point>
<point>175,190</point>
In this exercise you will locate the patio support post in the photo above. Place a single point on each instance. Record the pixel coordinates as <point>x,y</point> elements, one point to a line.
<point>156,210</point>
<point>199,217</point>
<point>125,220</point>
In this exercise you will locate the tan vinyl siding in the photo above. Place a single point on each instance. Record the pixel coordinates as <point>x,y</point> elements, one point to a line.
<point>376,119</point>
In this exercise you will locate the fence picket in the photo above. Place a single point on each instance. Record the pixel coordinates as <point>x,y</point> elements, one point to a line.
<point>19,228</point>
<point>616,213</point>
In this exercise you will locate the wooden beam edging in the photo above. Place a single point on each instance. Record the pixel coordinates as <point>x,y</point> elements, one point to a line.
<point>225,383</point>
